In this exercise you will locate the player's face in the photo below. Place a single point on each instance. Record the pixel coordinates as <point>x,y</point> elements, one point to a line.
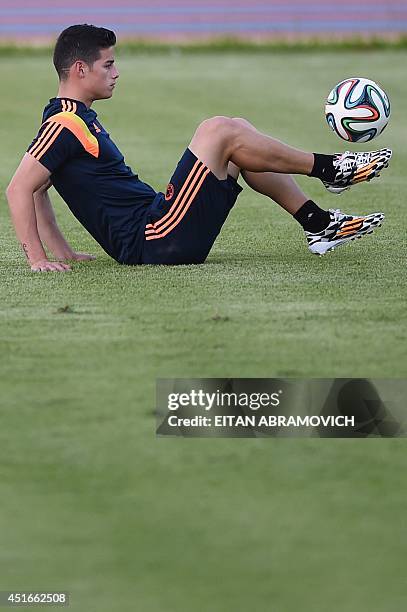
<point>101,79</point>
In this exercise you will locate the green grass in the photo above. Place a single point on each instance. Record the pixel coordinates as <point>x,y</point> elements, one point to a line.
<point>91,502</point>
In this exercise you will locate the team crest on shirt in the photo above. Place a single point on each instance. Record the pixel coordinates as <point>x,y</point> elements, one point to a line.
<point>170,192</point>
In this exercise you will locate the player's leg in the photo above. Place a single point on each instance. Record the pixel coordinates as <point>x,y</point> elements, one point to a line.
<point>281,188</point>
<point>182,227</point>
<point>324,230</point>
<point>221,139</point>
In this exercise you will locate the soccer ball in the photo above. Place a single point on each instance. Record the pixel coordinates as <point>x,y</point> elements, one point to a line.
<point>357,109</point>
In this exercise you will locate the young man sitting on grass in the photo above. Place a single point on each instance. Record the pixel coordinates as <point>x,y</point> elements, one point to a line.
<point>131,221</point>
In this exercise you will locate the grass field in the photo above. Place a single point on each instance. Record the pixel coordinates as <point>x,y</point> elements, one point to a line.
<point>91,502</point>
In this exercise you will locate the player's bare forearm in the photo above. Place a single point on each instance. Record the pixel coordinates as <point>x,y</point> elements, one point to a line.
<point>29,177</point>
<point>22,210</point>
<point>48,229</point>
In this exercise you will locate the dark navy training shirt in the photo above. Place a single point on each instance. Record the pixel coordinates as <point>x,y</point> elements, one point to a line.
<point>89,173</point>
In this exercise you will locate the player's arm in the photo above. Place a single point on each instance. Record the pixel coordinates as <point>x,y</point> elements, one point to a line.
<point>29,177</point>
<point>48,229</point>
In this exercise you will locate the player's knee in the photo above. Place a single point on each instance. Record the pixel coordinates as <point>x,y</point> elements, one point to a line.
<point>243,122</point>
<point>219,128</point>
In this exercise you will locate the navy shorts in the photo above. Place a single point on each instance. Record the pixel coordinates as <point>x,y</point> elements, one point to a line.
<point>183,224</point>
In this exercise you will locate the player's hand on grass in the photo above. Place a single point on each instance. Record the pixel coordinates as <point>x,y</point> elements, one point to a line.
<point>43,265</point>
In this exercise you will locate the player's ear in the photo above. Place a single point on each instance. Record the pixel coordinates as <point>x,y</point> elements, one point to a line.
<point>80,69</point>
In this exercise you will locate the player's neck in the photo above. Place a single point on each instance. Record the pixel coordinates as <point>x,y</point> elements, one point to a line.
<point>67,91</point>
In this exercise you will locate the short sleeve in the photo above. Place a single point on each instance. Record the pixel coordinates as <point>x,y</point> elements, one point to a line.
<point>54,145</point>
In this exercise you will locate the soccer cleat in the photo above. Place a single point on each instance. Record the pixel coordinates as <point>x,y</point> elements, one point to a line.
<point>352,168</point>
<point>342,229</point>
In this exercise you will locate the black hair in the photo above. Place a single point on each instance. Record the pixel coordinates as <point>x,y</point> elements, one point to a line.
<point>80,42</point>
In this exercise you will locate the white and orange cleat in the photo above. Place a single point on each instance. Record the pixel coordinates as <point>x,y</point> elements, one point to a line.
<point>342,229</point>
<point>352,168</point>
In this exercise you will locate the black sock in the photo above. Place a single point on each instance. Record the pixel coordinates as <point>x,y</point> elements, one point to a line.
<point>323,167</point>
<point>312,217</point>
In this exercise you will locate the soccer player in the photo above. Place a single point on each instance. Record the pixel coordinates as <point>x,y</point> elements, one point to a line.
<point>131,221</point>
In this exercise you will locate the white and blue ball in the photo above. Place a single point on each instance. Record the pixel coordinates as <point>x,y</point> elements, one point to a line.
<point>357,109</point>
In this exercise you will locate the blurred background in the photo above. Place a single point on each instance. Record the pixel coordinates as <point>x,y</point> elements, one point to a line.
<point>182,19</point>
